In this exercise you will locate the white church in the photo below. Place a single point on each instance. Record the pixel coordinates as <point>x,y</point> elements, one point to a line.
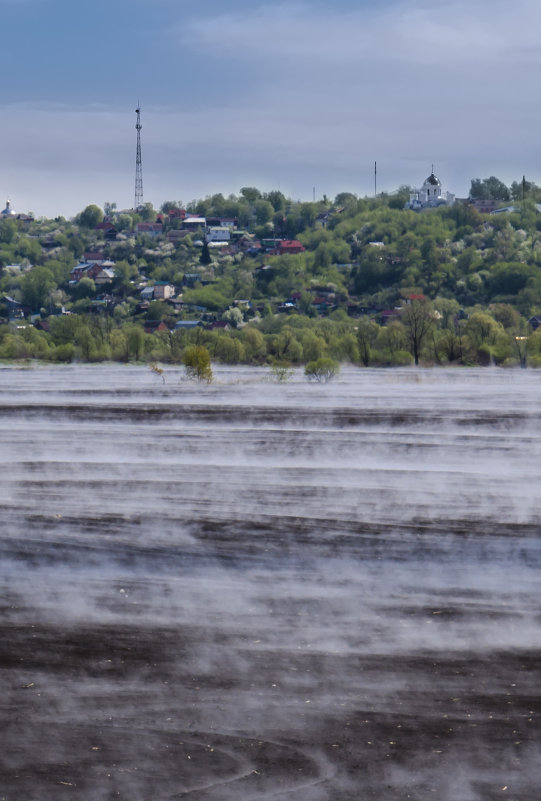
<point>430,195</point>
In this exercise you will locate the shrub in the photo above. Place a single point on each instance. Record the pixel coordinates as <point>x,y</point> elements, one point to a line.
<point>322,370</point>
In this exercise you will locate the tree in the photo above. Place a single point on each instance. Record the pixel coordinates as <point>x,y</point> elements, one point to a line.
<point>322,370</point>
<point>205,254</point>
<point>277,199</point>
<point>233,316</point>
<point>488,189</point>
<point>418,320</point>
<point>36,286</point>
<point>281,372</point>
<point>85,288</point>
<point>367,332</point>
<point>196,359</point>
<point>147,212</point>
<point>135,338</point>
<point>263,211</point>
<point>250,193</point>
<point>90,216</point>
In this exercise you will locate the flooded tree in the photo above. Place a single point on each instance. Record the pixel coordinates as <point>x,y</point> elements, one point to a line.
<point>322,370</point>
<point>196,359</point>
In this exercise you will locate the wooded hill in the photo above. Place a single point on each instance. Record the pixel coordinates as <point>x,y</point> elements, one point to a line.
<point>364,281</point>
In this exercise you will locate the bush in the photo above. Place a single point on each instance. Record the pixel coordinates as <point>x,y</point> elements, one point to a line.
<point>281,372</point>
<point>401,358</point>
<point>63,353</point>
<point>322,370</point>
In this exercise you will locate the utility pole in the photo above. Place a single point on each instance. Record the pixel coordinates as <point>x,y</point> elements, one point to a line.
<point>375,179</point>
<point>138,164</point>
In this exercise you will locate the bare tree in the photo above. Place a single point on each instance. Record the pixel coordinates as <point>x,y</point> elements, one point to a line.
<point>418,319</point>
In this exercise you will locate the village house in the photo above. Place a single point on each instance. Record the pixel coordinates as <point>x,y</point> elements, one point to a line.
<point>187,325</point>
<point>192,223</point>
<point>99,271</point>
<point>163,290</point>
<point>149,229</point>
<point>289,246</point>
<point>218,234</point>
<point>153,326</point>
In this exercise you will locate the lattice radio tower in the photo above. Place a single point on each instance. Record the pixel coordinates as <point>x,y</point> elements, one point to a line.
<point>138,163</point>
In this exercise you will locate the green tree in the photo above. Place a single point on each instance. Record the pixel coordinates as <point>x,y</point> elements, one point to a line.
<point>135,337</point>
<point>263,211</point>
<point>90,216</point>
<point>488,189</point>
<point>250,193</point>
<point>367,332</point>
<point>196,359</point>
<point>36,286</point>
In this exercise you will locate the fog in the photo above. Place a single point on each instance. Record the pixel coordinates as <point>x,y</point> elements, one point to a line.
<point>254,590</point>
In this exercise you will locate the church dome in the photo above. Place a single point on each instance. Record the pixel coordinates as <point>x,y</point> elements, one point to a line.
<point>432,180</point>
<point>8,211</point>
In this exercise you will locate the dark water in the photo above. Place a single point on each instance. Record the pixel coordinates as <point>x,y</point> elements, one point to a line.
<point>254,590</point>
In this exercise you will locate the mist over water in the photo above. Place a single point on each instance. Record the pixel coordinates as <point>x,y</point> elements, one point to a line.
<point>252,590</point>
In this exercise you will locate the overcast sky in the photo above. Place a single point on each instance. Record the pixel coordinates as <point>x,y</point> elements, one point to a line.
<point>290,95</point>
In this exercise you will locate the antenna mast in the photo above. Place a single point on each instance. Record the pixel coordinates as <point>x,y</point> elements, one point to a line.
<point>138,164</point>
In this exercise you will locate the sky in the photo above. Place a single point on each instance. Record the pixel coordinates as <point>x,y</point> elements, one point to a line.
<point>298,96</point>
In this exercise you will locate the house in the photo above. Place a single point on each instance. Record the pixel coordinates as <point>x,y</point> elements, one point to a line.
<point>149,229</point>
<point>191,279</point>
<point>486,206</point>
<point>106,225</point>
<point>222,222</point>
<point>535,322</point>
<point>411,298</point>
<point>218,234</point>
<point>176,234</point>
<point>187,325</point>
<point>389,314</point>
<point>85,269</point>
<point>99,271</point>
<point>176,214</point>
<point>106,275</point>
<point>163,290</point>
<point>290,246</point>
<point>42,325</point>
<point>287,307</point>
<point>15,310</point>
<point>147,293</point>
<point>94,256</point>
<point>192,223</point>
<point>153,326</point>
<point>223,325</point>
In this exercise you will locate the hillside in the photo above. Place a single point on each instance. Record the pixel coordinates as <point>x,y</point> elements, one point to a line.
<point>259,278</point>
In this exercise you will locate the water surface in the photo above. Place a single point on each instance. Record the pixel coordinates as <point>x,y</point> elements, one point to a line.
<point>254,590</point>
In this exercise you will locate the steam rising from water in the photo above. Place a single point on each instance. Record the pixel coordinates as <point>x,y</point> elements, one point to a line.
<point>253,590</point>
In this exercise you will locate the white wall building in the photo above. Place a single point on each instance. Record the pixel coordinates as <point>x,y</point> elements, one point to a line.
<point>430,195</point>
<point>218,234</point>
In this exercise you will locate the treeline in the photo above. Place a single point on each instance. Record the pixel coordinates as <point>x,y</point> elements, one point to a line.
<point>422,331</point>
